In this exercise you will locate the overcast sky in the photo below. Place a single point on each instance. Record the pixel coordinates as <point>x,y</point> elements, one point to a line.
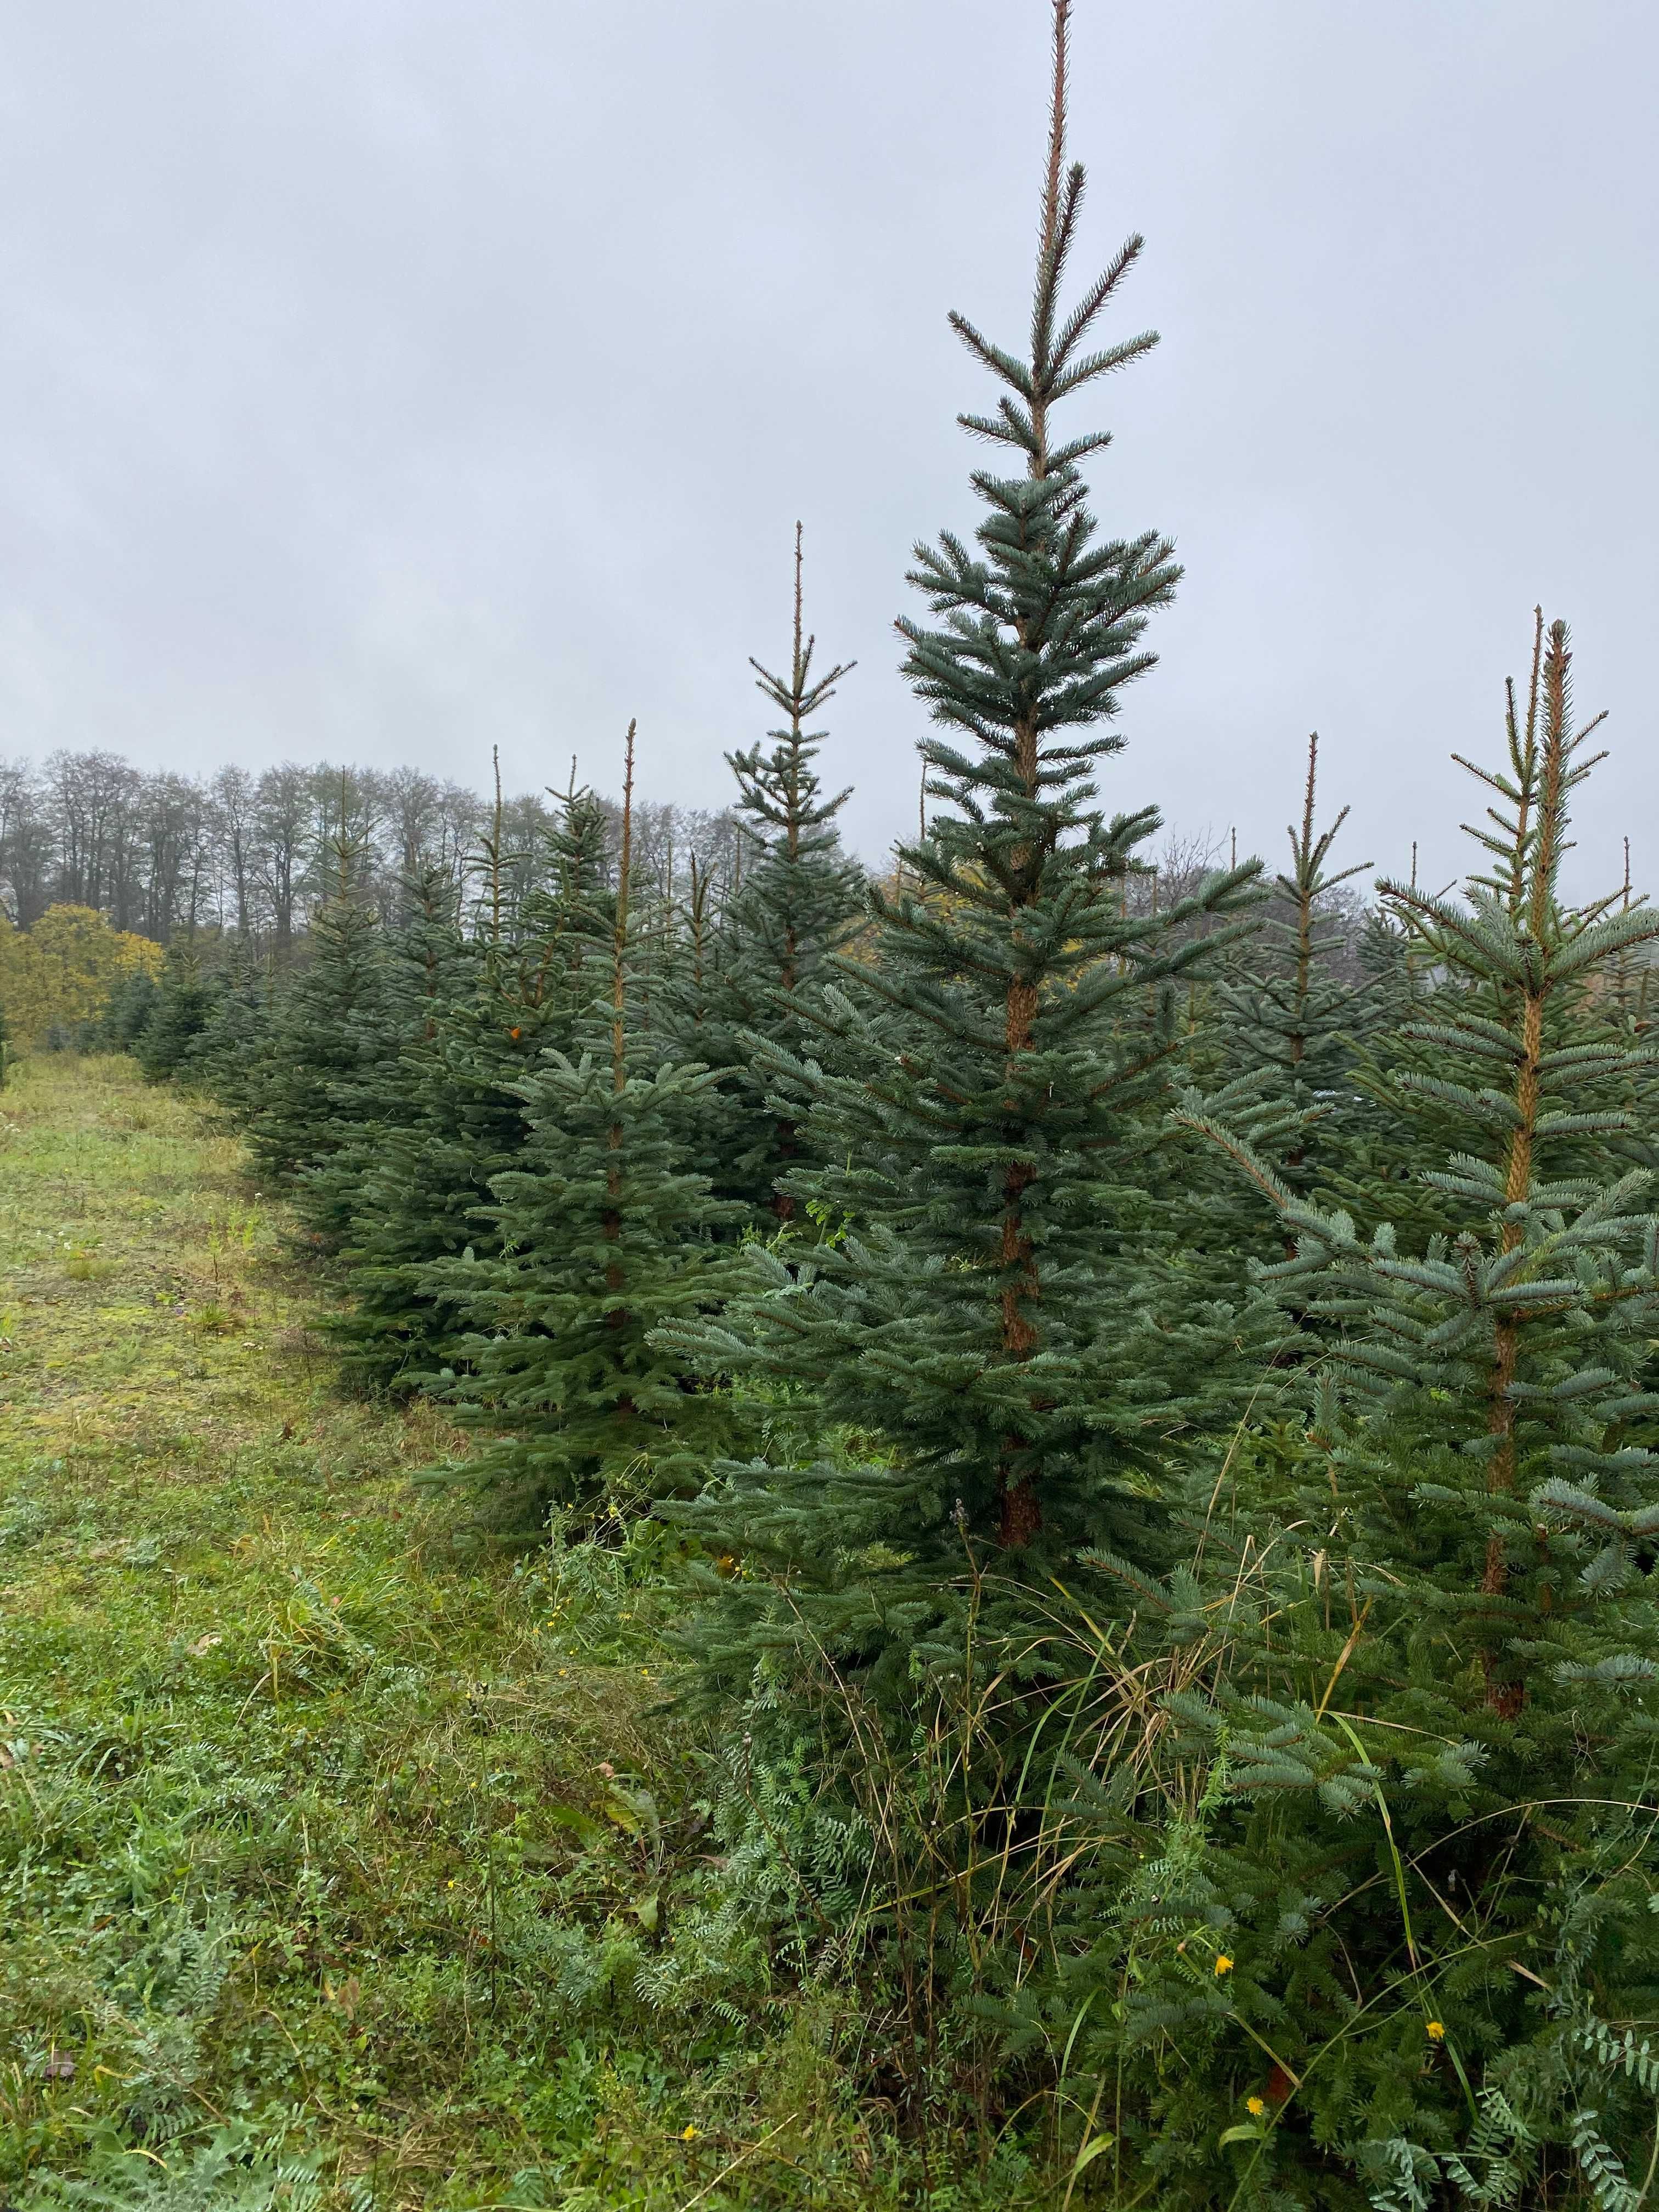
<point>388,378</point>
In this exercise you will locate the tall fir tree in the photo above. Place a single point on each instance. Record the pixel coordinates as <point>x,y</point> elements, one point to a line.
<point>797,896</point>
<point>1396,1112</point>
<point>1469,1561</point>
<point>992,1307</point>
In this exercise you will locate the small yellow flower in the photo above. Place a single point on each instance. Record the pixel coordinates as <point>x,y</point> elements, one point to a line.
<point>1255,2106</point>
<point>450,1884</point>
<point>1224,1965</point>
<point>1437,2031</point>
<point>687,2133</point>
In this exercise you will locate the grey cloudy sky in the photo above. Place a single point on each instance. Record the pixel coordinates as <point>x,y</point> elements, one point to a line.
<point>386,378</point>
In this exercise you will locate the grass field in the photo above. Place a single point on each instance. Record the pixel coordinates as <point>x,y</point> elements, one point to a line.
<point>337,1857</point>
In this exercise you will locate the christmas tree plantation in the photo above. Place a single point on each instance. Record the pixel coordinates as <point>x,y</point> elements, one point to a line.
<point>1129,1382</point>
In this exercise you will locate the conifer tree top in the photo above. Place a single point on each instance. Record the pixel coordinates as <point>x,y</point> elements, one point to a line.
<point>779,788</point>
<point>1042,621</point>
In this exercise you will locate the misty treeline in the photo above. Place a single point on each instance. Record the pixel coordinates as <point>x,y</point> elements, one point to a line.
<point>1135,1384</point>
<point>173,858</point>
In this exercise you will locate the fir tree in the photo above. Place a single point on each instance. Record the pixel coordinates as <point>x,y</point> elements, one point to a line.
<point>1292,1013</point>
<point>1528,1318</point>
<point>1399,1113</point>
<point>225,1056</point>
<point>1469,1556</point>
<point>798,896</point>
<point>328,1069</point>
<point>992,1306</point>
<point>600,1239</point>
<point>569,914</point>
<point>391,1179</point>
<point>180,1009</point>
<point>128,1008</point>
<point>489,1005</point>
<point>725,1123</point>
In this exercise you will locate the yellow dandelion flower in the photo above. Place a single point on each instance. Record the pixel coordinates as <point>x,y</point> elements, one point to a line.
<point>687,2133</point>
<point>1255,2106</point>
<point>1224,1965</point>
<point>1437,2031</point>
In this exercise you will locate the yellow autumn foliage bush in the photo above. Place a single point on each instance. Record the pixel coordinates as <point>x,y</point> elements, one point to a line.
<point>63,970</point>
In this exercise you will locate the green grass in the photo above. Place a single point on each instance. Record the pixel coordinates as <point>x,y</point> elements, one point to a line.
<point>340,1863</point>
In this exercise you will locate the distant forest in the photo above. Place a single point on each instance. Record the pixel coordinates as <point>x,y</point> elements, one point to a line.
<point>185,860</point>
<point>171,857</point>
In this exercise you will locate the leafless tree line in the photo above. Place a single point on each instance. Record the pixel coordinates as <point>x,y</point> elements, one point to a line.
<point>177,857</point>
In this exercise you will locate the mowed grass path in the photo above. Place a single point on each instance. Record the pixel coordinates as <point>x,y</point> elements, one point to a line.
<point>332,1851</point>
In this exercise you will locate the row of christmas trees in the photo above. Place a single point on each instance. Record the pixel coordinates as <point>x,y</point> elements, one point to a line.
<point>1214,1395</point>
